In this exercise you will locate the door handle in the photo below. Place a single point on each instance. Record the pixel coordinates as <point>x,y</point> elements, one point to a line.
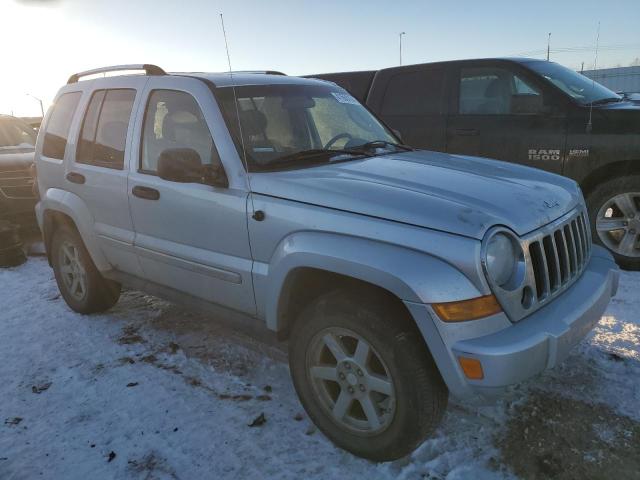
<point>146,193</point>
<point>467,132</point>
<point>75,177</point>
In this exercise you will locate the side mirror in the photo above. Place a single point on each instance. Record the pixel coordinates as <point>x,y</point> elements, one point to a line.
<point>397,133</point>
<point>184,165</point>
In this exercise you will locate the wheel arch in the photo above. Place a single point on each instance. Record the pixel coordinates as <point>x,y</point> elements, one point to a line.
<point>307,264</point>
<point>59,208</point>
<point>607,172</point>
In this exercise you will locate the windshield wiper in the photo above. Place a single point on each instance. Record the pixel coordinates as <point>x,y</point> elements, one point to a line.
<point>311,156</point>
<point>603,101</point>
<point>381,144</point>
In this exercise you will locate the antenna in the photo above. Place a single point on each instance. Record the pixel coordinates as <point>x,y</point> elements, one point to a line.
<point>235,101</point>
<point>593,80</point>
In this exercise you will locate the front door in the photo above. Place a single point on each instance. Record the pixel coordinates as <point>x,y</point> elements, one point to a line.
<point>500,112</point>
<point>189,236</point>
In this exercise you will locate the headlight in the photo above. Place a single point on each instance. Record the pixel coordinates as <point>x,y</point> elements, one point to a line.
<point>504,261</point>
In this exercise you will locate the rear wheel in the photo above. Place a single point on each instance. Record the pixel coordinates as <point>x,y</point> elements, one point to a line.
<point>614,209</point>
<point>79,281</point>
<point>364,375</point>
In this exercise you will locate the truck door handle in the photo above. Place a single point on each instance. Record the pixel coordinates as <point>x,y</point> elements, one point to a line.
<point>146,193</point>
<point>75,177</point>
<point>467,132</point>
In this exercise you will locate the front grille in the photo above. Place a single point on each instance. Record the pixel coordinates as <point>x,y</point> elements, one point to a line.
<point>559,256</point>
<point>17,184</point>
<point>554,258</point>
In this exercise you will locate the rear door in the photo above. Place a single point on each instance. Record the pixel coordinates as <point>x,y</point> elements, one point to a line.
<point>189,236</point>
<point>412,100</point>
<point>98,172</point>
<point>501,111</point>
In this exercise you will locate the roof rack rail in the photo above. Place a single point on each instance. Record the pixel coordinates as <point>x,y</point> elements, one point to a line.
<point>148,68</point>
<point>264,72</point>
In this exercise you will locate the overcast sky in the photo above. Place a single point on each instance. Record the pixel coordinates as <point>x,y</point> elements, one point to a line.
<point>44,41</point>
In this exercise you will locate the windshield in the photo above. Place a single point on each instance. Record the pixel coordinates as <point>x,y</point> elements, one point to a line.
<point>581,88</point>
<point>14,133</point>
<point>301,125</point>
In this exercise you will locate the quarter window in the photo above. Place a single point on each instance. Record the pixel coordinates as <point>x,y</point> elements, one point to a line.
<point>57,132</point>
<point>173,119</point>
<point>104,129</point>
<point>497,91</point>
<point>414,93</point>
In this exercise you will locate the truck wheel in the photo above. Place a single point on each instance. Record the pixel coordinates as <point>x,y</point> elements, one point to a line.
<point>614,209</point>
<point>364,375</point>
<point>80,283</point>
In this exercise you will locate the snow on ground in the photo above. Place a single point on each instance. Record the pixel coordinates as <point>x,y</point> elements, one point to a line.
<point>150,390</point>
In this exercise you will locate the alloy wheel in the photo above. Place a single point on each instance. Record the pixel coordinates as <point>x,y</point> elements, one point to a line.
<point>618,224</point>
<point>351,381</point>
<point>73,272</point>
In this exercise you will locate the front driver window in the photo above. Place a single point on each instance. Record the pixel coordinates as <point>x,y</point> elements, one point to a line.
<point>173,119</point>
<point>497,91</point>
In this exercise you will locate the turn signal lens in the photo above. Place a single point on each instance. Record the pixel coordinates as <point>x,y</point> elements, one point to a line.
<point>467,309</point>
<point>471,367</point>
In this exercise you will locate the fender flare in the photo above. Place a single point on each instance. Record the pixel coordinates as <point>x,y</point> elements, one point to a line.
<point>408,274</point>
<point>57,200</point>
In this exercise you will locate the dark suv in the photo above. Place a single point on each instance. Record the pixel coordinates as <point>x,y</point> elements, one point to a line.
<point>526,111</point>
<point>17,197</point>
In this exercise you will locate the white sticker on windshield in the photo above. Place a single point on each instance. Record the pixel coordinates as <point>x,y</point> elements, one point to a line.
<point>344,98</point>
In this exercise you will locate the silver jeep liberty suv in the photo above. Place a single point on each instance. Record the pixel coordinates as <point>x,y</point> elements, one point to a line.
<point>397,276</point>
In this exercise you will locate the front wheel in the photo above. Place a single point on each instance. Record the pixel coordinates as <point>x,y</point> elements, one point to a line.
<point>364,375</point>
<point>614,209</point>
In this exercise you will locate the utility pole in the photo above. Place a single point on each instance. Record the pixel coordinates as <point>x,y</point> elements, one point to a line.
<point>400,35</point>
<point>582,68</point>
<point>548,46</point>
<point>39,101</point>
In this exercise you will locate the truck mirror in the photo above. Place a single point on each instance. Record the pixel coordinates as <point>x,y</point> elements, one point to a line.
<point>180,165</point>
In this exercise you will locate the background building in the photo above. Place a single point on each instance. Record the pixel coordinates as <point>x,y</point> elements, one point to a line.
<point>620,79</point>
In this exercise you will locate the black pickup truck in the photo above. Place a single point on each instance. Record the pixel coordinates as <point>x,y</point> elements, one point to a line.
<point>527,111</point>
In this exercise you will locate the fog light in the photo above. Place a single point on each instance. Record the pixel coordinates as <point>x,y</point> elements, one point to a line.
<point>471,367</point>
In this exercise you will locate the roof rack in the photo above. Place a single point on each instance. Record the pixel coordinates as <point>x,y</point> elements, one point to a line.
<point>264,72</point>
<point>148,68</point>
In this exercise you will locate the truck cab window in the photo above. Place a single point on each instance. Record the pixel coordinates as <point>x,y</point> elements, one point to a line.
<point>414,93</point>
<point>497,91</point>
<point>174,120</point>
<point>104,130</point>
<point>57,129</point>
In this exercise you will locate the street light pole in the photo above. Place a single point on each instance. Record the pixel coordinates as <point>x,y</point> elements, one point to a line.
<point>400,35</point>
<point>39,101</point>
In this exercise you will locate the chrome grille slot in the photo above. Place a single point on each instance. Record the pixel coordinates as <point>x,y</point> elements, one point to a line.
<point>555,257</point>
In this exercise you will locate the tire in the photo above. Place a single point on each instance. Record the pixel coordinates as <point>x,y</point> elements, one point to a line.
<point>11,251</point>
<point>397,354</point>
<point>604,211</point>
<point>97,293</point>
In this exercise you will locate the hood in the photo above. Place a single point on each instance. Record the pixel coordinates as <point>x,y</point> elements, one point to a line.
<point>451,193</point>
<point>16,158</point>
<point>625,105</point>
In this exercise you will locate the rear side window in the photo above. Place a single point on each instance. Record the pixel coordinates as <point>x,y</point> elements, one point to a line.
<point>414,93</point>
<point>174,120</point>
<point>104,128</point>
<point>57,133</point>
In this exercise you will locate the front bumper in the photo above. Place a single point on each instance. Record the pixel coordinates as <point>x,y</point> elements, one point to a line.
<point>545,338</point>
